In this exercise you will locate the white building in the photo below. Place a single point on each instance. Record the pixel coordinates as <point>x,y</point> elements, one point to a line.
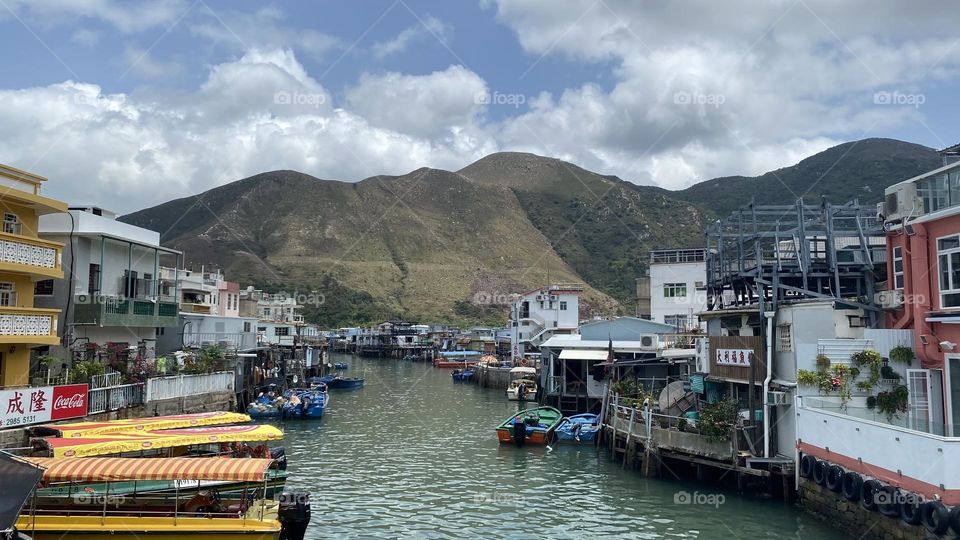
<point>538,315</point>
<point>111,297</point>
<point>278,308</point>
<point>205,292</point>
<point>677,287</point>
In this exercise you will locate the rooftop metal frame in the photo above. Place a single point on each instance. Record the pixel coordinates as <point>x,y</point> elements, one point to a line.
<point>763,255</point>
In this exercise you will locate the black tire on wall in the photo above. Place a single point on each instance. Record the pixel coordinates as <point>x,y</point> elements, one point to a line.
<point>935,517</point>
<point>852,482</point>
<point>820,472</point>
<point>834,480</point>
<point>806,466</point>
<point>867,492</point>
<point>887,497</point>
<point>910,510</point>
<point>955,519</point>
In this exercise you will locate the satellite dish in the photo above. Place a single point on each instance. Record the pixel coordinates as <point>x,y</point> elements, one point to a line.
<point>674,400</point>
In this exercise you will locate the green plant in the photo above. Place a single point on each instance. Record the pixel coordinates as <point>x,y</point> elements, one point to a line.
<point>207,359</point>
<point>682,424</point>
<point>873,362</point>
<point>823,362</point>
<point>872,402</point>
<point>902,355</point>
<point>718,420</point>
<point>805,377</point>
<point>888,373</point>
<point>83,371</point>
<point>47,360</point>
<point>893,402</point>
<point>836,380</point>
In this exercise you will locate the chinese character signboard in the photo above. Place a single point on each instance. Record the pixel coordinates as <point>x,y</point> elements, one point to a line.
<point>36,405</point>
<point>734,357</point>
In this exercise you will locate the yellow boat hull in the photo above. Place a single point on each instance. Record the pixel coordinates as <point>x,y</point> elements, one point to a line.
<point>153,528</point>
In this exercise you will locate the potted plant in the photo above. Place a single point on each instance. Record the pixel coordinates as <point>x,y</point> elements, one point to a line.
<point>902,355</point>
<point>823,362</point>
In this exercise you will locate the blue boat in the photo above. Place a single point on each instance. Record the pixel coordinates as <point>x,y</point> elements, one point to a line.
<point>306,402</point>
<point>337,382</point>
<point>462,376</point>
<point>579,428</point>
<point>265,406</point>
<point>340,365</point>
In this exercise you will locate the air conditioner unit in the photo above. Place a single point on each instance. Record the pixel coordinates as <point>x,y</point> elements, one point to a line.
<point>554,298</point>
<point>777,398</point>
<point>540,297</point>
<point>892,299</point>
<point>649,341</point>
<point>703,355</point>
<point>901,201</point>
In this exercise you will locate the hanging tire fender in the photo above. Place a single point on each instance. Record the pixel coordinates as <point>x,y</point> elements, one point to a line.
<point>910,506</point>
<point>807,463</point>
<point>834,480</point>
<point>868,491</point>
<point>852,482</point>
<point>935,517</point>
<point>955,519</point>
<point>887,498</point>
<point>820,472</point>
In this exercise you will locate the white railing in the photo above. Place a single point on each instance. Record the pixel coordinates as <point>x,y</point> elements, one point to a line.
<point>188,385</point>
<point>113,398</point>
<point>879,446</point>
<point>107,379</point>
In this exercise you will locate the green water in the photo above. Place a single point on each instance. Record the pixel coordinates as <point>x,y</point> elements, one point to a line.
<point>414,455</point>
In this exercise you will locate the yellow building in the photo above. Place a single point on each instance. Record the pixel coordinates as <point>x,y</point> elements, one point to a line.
<point>25,261</point>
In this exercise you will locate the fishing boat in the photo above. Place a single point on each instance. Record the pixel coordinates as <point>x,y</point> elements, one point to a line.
<point>536,426</point>
<point>579,428</point>
<point>347,383</point>
<point>523,384</point>
<point>198,512</point>
<point>340,365</point>
<point>462,375</point>
<point>306,402</point>
<point>456,359</point>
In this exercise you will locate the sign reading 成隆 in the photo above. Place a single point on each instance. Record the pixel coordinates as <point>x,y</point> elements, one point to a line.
<point>35,405</point>
<point>734,357</point>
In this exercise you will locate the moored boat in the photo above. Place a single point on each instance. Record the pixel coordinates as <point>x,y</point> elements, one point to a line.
<point>456,359</point>
<point>306,402</point>
<point>535,426</point>
<point>340,365</point>
<point>204,514</point>
<point>579,428</point>
<point>523,384</point>
<point>462,375</point>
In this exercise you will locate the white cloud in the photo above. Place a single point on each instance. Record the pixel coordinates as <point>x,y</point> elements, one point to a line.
<point>427,29</point>
<point>126,16</point>
<point>143,63</point>
<point>263,29</point>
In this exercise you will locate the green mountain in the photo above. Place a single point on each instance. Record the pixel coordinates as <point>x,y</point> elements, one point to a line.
<point>434,245</point>
<point>854,170</point>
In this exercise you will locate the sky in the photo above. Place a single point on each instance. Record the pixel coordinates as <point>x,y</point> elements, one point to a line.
<point>128,104</point>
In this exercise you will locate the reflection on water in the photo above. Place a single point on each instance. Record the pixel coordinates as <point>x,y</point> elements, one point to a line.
<point>413,455</point>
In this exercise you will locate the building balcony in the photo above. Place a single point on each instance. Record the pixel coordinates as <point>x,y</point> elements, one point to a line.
<point>29,325</point>
<point>904,452</point>
<point>105,311</point>
<point>196,307</point>
<point>23,254</point>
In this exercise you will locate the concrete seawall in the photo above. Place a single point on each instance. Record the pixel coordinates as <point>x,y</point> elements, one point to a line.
<point>493,377</point>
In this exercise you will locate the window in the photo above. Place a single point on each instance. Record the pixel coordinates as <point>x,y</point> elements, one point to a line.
<point>11,223</point>
<point>8,295</point>
<point>784,338</point>
<point>262,329</point>
<point>563,306</point>
<point>678,321</point>
<point>43,288</point>
<point>699,286</point>
<point>281,331</point>
<point>948,259</point>
<point>898,267</point>
<point>246,326</point>
<point>674,290</point>
<point>266,311</point>
<point>93,281</point>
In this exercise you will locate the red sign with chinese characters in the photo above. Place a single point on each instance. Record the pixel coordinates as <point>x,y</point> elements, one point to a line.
<point>35,405</point>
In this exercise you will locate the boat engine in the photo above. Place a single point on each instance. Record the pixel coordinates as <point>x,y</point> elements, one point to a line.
<point>294,514</point>
<point>519,432</point>
<point>280,456</point>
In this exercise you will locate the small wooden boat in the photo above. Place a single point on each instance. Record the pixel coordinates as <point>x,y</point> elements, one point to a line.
<point>579,428</point>
<point>462,375</point>
<point>523,384</point>
<point>536,426</point>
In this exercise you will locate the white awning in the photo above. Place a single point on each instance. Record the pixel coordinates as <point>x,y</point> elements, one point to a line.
<point>945,320</point>
<point>580,354</point>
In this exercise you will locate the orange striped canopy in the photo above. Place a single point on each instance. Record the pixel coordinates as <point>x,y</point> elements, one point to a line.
<point>125,469</point>
<point>140,425</point>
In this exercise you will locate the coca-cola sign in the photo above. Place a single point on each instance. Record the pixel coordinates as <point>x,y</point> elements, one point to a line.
<point>35,405</point>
